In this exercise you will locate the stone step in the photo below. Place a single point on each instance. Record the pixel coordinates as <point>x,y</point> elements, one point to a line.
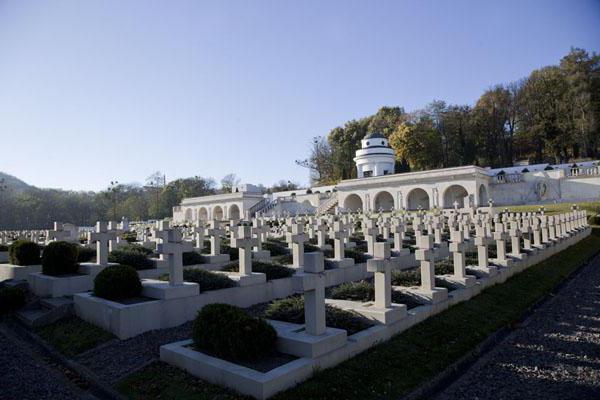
<point>16,283</point>
<point>55,302</point>
<point>46,312</point>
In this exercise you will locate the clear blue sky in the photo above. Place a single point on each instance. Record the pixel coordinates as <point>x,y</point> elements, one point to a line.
<point>92,91</point>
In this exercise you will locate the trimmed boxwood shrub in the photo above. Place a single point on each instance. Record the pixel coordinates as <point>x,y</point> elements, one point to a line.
<point>207,280</point>
<point>276,248</point>
<point>406,278</point>
<point>135,259</point>
<point>271,270</point>
<point>310,248</point>
<point>24,252</point>
<point>60,258</point>
<point>11,299</point>
<point>365,291</point>
<point>228,332</point>
<point>129,237</point>
<point>191,258</point>
<point>234,253</point>
<point>291,309</point>
<point>86,254</point>
<point>117,282</point>
<point>356,291</point>
<point>137,248</point>
<point>358,256</point>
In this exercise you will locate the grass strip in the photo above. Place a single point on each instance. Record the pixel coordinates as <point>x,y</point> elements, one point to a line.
<point>73,336</point>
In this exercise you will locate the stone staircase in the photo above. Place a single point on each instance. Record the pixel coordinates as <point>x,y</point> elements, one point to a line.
<point>262,207</point>
<point>45,311</point>
<point>328,204</point>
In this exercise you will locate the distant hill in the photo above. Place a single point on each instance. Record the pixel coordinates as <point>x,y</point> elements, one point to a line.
<point>14,183</point>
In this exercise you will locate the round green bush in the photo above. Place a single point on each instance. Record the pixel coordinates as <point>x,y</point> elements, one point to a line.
<point>129,237</point>
<point>60,258</point>
<point>228,332</point>
<point>356,291</point>
<point>135,247</point>
<point>136,259</point>
<point>276,248</point>
<point>191,258</point>
<point>11,299</point>
<point>24,252</point>
<point>117,282</point>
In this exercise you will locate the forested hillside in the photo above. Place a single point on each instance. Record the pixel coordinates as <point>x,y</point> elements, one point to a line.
<point>552,115</point>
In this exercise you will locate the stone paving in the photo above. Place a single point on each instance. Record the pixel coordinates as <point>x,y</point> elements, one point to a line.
<point>555,354</point>
<point>25,375</point>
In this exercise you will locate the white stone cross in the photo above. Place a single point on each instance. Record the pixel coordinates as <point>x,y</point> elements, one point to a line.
<point>173,247</point>
<point>457,247</point>
<point>242,239</point>
<point>481,241</point>
<point>198,231</point>
<point>312,283</point>
<point>215,231</point>
<point>500,237</point>
<point>260,232</point>
<point>381,266</point>
<point>398,230</point>
<point>322,229</point>
<point>339,234</point>
<point>102,237</point>
<point>425,255</point>
<point>113,244</point>
<point>57,233</point>
<point>515,239</point>
<point>297,237</point>
<point>370,231</point>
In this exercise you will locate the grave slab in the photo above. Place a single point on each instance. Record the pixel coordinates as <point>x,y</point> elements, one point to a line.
<point>162,290</point>
<point>293,339</point>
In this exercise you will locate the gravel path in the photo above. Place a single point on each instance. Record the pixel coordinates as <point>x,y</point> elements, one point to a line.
<point>118,358</point>
<point>555,354</point>
<point>25,375</point>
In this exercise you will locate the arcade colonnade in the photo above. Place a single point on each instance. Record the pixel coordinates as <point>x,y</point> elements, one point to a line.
<point>463,189</point>
<point>229,206</point>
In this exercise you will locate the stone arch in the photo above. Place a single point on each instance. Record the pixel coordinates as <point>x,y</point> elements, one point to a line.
<point>218,213</point>
<point>417,197</point>
<point>189,215</point>
<point>234,212</point>
<point>203,214</point>
<point>353,202</point>
<point>483,196</point>
<point>384,200</point>
<point>456,193</point>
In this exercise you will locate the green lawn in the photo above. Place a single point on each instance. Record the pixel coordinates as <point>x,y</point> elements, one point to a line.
<point>399,365</point>
<point>162,381</point>
<point>592,207</point>
<point>73,336</point>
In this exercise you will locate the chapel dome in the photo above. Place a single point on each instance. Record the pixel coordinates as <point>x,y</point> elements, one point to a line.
<point>375,135</point>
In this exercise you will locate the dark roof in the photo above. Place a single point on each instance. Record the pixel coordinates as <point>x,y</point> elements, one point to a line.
<point>374,135</point>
